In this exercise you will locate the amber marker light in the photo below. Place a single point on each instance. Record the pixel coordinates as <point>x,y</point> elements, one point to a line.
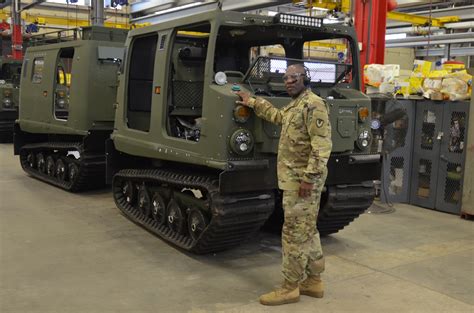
<point>7,93</point>
<point>363,114</point>
<point>158,90</point>
<point>241,113</point>
<point>45,93</point>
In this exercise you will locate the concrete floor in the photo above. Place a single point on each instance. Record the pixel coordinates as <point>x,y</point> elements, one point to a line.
<point>63,252</point>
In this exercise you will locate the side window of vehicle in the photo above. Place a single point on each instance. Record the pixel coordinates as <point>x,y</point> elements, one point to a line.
<point>140,82</point>
<point>185,97</point>
<point>64,65</point>
<point>329,61</point>
<point>38,66</point>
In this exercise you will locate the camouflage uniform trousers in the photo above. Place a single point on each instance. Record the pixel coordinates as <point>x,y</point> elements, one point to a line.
<point>302,252</point>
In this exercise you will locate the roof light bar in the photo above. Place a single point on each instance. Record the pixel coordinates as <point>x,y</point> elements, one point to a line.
<point>298,20</point>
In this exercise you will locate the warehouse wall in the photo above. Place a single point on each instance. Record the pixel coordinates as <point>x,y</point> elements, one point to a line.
<point>402,56</point>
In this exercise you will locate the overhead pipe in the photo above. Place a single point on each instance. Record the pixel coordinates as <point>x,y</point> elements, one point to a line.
<point>407,43</point>
<point>456,51</point>
<point>433,38</point>
<point>460,25</point>
<point>457,25</point>
<point>410,30</point>
<point>97,12</point>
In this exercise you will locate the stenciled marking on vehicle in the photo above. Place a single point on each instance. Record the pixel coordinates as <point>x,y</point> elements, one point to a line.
<point>346,111</point>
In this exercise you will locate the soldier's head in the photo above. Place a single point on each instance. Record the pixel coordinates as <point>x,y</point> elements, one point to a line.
<point>295,79</point>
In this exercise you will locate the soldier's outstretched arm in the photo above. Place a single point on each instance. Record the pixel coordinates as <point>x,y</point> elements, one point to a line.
<point>263,108</point>
<point>319,130</point>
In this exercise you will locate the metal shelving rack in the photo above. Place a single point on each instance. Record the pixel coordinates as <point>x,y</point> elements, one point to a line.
<point>397,152</point>
<point>439,154</point>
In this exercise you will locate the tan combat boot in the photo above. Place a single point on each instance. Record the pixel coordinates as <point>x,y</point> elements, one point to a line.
<point>312,286</point>
<point>287,293</point>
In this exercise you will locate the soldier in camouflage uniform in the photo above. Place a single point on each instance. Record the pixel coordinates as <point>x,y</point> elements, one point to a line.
<point>303,152</point>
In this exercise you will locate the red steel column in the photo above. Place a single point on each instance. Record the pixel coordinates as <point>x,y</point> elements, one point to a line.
<point>370,23</point>
<point>17,36</point>
<point>379,22</point>
<point>17,43</point>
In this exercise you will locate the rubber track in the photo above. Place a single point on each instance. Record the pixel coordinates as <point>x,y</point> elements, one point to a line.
<point>234,217</point>
<point>343,205</point>
<point>91,173</point>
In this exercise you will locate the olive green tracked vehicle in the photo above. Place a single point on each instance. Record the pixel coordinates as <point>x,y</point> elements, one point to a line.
<point>189,165</point>
<point>67,100</point>
<point>10,71</point>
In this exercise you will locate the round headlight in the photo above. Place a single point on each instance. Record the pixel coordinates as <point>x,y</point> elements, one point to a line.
<point>364,139</point>
<point>7,102</point>
<point>61,103</point>
<point>220,78</point>
<point>241,142</point>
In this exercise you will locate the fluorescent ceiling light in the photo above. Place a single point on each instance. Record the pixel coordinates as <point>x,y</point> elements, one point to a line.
<point>395,36</point>
<point>179,8</point>
<point>79,2</point>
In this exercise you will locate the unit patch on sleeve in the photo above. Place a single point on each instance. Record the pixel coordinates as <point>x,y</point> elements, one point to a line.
<point>319,123</point>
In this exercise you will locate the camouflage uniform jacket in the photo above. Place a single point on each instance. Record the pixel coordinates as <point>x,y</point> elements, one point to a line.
<point>305,138</point>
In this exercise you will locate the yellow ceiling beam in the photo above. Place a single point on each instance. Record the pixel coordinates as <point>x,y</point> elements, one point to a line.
<point>421,20</point>
<point>60,21</point>
<point>329,45</point>
<point>340,5</point>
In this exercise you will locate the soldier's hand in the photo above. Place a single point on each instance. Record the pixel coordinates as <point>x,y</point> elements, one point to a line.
<point>244,97</point>
<point>305,189</point>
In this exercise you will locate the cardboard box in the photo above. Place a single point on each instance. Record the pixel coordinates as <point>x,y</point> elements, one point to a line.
<point>436,95</point>
<point>423,192</point>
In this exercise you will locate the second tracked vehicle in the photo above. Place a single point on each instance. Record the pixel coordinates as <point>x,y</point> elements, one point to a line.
<point>10,71</point>
<point>67,99</point>
<point>189,165</point>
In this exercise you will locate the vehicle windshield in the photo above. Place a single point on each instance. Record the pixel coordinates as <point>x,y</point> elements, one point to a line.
<point>10,72</point>
<point>261,55</point>
<point>271,69</point>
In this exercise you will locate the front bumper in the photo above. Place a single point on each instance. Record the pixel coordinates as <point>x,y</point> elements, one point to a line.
<point>353,168</point>
<point>7,120</point>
